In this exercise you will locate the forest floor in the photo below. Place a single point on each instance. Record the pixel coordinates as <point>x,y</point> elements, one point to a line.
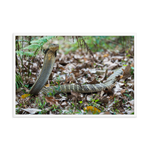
<point>79,67</point>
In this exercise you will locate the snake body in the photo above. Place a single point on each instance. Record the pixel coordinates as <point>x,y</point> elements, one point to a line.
<point>48,64</point>
<point>49,60</point>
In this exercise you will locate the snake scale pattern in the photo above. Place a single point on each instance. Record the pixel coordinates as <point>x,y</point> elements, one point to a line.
<point>49,60</point>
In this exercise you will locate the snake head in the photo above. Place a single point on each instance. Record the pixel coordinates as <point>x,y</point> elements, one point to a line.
<point>52,47</point>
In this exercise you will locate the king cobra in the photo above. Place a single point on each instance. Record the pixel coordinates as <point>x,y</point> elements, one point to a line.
<point>49,60</point>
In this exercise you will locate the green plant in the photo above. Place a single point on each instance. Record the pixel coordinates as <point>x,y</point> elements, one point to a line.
<point>102,108</point>
<point>115,111</point>
<point>18,110</point>
<point>43,112</point>
<point>40,104</point>
<point>26,85</point>
<point>78,111</point>
<point>129,108</point>
<point>19,81</point>
<point>132,71</point>
<point>127,95</point>
<point>124,101</point>
<point>57,89</point>
<point>116,101</point>
<point>55,109</point>
<point>115,106</point>
<point>37,44</point>
<point>21,53</point>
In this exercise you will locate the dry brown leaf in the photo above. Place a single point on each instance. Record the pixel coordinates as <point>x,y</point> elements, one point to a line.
<point>62,62</point>
<point>111,97</point>
<point>105,99</point>
<point>127,72</point>
<point>94,81</point>
<point>58,96</point>
<point>132,64</point>
<point>105,55</point>
<point>123,91</point>
<point>112,66</point>
<point>85,59</point>
<point>51,100</point>
<point>100,72</point>
<point>121,76</point>
<point>69,67</point>
<point>117,58</point>
<point>109,91</point>
<point>75,94</point>
<point>47,85</point>
<point>107,113</point>
<point>61,68</point>
<point>75,71</point>
<point>121,110</point>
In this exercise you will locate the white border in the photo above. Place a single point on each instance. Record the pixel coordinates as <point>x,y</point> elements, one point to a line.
<point>10,74</point>
<point>76,116</point>
<point>102,31</point>
<point>70,34</point>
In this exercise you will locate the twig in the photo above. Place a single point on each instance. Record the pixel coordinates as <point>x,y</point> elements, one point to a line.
<point>89,50</point>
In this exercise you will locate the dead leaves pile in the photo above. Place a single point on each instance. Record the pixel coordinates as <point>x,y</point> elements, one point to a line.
<point>79,68</point>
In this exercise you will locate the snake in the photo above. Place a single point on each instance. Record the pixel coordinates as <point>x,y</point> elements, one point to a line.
<point>50,51</point>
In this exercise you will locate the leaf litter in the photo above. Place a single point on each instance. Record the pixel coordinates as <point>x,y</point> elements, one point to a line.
<point>80,68</point>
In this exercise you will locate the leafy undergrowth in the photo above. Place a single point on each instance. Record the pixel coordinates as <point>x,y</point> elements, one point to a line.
<point>80,67</point>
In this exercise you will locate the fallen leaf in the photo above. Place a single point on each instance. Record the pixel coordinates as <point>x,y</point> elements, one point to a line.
<point>61,68</point>
<point>19,90</point>
<point>132,65</point>
<point>109,91</point>
<point>69,67</point>
<point>47,85</point>
<point>107,113</point>
<point>32,110</point>
<point>62,62</point>
<point>117,57</point>
<point>70,78</point>
<point>58,96</point>
<point>123,91</point>
<point>25,95</point>
<point>105,99</point>
<point>51,100</point>
<point>118,78</point>
<point>63,103</point>
<point>91,109</point>
<point>121,76</point>
<point>112,66</point>
<point>100,72</point>
<point>75,94</point>
<point>121,110</point>
<point>94,81</point>
<point>85,59</point>
<point>127,72</point>
<point>105,55</point>
<point>131,102</point>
